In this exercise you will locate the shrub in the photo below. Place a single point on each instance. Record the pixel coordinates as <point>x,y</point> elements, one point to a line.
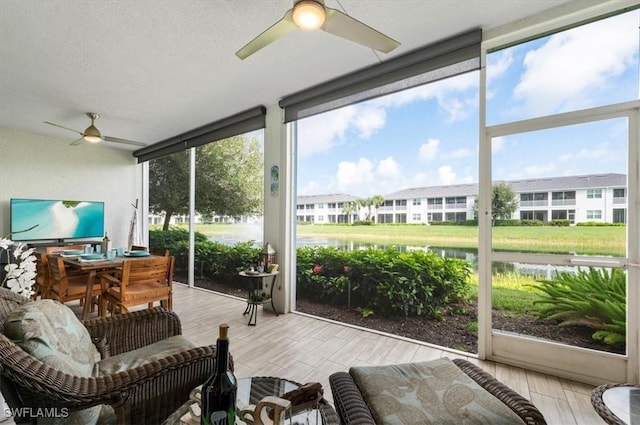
<point>560,223</point>
<point>600,224</point>
<point>509,222</point>
<point>594,298</point>
<point>363,223</point>
<point>388,282</point>
<point>532,223</point>
<point>385,281</point>
<point>212,259</point>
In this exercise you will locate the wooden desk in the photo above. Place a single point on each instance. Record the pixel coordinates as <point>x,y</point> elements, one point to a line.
<point>93,267</point>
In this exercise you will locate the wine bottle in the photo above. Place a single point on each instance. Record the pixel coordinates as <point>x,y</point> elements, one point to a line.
<point>219,391</point>
<point>106,243</point>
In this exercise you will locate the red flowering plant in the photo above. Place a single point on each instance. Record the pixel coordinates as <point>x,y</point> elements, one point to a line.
<point>322,273</point>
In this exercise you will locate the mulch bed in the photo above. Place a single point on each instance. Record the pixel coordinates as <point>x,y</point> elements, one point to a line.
<point>456,331</point>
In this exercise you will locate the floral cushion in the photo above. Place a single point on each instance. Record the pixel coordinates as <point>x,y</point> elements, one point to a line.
<point>51,332</point>
<point>144,355</point>
<point>435,392</point>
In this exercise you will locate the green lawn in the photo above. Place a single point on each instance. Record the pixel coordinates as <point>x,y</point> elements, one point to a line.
<point>590,240</point>
<point>581,239</point>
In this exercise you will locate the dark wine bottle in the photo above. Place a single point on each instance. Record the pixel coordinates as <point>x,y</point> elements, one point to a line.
<point>219,391</point>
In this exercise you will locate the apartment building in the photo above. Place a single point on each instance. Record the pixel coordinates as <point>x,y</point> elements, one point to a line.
<point>594,197</point>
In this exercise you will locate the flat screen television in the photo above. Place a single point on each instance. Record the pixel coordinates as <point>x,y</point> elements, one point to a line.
<point>56,219</point>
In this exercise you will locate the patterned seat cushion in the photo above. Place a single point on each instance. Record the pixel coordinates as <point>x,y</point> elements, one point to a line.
<point>132,359</point>
<point>51,332</point>
<point>435,392</point>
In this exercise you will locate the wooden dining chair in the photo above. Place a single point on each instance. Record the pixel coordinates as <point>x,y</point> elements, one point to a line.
<point>161,252</point>
<point>41,286</point>
<point>54,249</point>
<point>141,281</point>
<point>64,286</point>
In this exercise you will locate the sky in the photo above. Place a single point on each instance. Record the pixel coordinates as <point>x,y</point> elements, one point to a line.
<point>428,135</point>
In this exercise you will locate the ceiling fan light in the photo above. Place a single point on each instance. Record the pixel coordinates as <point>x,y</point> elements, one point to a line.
<point>92,135</point>
<point>308,15</point>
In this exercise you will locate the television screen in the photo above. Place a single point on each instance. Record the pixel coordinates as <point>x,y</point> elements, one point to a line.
<point>56,219</point>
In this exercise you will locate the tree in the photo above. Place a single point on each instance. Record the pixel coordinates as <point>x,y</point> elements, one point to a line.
<point>229,180</point>
<point>503,202</point>
<point>348,208</point>
<point>376,201</point>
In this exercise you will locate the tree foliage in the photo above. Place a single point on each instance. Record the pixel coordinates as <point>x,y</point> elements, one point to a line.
<point>503,201</point>
<point>229,180</point>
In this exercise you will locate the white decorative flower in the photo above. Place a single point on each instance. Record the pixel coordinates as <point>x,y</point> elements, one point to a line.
<point>21,268</point>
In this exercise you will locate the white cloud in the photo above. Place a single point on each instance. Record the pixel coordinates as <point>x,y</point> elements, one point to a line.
<point>354,174</point>
<point>388,168</point>
<point>320,133</point>
<point>497,143</point>
<point>311,188</point>
<point>446,175</point>
<point>429,150</point>
<point>566,71</point>
<point>498,64</point>
<point>369,119</point>
<point>459,153</point>
<point>444,92</point>
<point>534,171</point>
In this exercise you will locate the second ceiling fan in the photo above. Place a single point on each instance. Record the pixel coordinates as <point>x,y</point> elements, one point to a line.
<point>92,135</point>
<point>312,15</point>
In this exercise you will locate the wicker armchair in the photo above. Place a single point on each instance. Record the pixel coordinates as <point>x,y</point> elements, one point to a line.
<point>143,394</point>
<point>353,409</point>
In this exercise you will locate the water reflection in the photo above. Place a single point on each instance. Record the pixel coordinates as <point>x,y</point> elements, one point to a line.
<point>542,271</point>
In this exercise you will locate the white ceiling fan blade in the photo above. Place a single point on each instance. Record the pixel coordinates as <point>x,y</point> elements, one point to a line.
<point>123,141</point>
<point>77,142</point>
<point>342,25</point>
<point>66,128</point>
<point>278,30</point>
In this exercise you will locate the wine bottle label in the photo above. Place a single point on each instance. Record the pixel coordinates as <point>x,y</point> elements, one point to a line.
<point>223,418</point>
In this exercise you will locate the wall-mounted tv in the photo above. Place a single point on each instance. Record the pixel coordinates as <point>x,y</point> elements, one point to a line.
<point>56,219</point>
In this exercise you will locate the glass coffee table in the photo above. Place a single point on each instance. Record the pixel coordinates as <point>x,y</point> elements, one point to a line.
<point>617,404</point>
<point>253,389</point>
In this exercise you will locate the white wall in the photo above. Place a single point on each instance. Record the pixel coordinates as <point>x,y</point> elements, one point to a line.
<point>35,166</point>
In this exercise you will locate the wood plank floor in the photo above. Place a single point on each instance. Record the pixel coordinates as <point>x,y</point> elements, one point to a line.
<point>304,349</point>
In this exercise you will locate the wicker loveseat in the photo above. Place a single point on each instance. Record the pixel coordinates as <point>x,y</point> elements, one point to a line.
<point>439,392</point>
<point>131,381</point>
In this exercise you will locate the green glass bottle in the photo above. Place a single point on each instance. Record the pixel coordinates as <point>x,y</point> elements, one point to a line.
<point>219,391</point>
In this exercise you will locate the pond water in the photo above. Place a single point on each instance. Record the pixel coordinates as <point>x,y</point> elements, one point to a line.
<point>468,254</point>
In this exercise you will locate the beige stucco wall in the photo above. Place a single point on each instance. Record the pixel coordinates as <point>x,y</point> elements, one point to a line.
<point>35,166</point>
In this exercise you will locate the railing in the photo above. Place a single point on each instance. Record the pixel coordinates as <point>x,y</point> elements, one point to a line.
<point>542,203</point>
<point>619,201</point>
<point>563,202</point>
<point>435,206</point>
<point>456,206</point>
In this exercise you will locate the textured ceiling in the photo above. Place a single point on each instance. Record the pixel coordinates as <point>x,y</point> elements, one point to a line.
<point>154,69</point>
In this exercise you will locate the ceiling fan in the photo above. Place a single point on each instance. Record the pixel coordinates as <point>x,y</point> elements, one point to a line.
<point>311,15</point>
<point>92,135</point>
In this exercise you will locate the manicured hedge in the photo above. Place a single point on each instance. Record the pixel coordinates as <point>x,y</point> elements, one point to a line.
<point>387,282</point>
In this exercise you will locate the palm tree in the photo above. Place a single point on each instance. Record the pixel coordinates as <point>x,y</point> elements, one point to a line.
<point>348,208</point>
<point>376,201</point>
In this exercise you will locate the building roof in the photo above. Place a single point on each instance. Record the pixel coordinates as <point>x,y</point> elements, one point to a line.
<point>595,181</point>
<point>324,199</point>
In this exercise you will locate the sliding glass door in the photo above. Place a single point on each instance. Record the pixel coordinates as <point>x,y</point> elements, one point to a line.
<point>559,192</point>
